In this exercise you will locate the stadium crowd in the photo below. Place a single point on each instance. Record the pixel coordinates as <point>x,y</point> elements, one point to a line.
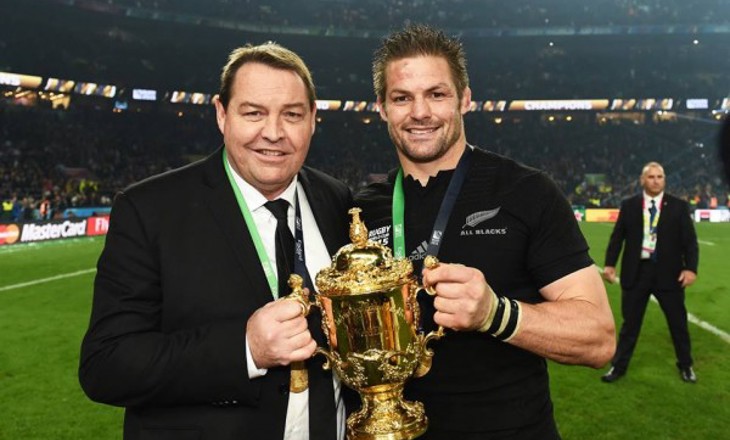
<point>134,52</point>
<point>82,156</point>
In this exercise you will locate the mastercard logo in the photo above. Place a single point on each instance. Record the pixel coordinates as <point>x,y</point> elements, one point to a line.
<point>9,234</point>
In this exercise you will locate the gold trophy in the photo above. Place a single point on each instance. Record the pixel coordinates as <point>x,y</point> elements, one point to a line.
<point>370,317</point>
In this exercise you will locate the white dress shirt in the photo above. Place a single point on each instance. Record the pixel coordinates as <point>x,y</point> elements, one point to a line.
<point>317,257</point>
<point>645,255</point>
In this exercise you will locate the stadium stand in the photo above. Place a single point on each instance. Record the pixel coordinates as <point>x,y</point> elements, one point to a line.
<point>112,48</point>
<point>83,151</point>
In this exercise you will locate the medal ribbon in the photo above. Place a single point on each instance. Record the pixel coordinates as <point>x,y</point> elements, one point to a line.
<point>442,218</point>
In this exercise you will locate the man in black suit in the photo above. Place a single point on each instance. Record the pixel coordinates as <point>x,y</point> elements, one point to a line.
<point>660,258</point>
<point>185,332</point>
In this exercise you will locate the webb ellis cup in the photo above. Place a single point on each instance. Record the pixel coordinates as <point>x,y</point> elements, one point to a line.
<point>370,317</point>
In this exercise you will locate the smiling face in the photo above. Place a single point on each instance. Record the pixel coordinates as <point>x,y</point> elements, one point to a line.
<point>424,114</point>
<point>267,126</point>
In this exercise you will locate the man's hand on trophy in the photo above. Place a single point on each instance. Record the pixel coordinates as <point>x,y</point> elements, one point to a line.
<point>464,300</point>
<point>277,334</point>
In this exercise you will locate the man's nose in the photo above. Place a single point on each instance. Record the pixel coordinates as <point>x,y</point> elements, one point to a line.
<point>272,130</point>
<point>420,109</point>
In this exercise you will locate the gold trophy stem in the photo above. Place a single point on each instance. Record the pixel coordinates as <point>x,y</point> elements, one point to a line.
<point>386,416</point>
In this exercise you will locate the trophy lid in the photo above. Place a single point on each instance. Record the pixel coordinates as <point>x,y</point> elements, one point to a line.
<point>363,266</point>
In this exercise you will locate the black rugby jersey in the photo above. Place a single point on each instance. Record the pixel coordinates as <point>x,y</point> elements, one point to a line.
<point>512,223</point>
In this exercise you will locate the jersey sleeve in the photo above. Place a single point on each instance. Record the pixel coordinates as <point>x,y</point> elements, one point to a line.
<point>557,247</point>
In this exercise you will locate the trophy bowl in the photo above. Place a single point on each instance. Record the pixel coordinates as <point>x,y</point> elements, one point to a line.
<point>370,317</point>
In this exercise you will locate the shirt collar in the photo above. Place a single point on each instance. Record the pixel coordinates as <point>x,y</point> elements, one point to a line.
<point>658,199</point>
<point>254,199</point>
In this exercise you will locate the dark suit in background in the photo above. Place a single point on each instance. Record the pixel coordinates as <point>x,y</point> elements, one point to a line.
<point>676,250</point>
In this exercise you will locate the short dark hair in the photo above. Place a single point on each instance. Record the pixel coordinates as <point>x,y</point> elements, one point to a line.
<point>420,40</point>
<point>270,54</point>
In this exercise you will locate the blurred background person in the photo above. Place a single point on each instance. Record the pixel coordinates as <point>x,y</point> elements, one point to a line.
<point>660,258</point>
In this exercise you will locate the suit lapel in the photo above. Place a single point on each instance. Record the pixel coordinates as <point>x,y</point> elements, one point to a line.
<point>323,213</point>
<point>224,208</point>
<point>666,211</point>
<point>639,206</point>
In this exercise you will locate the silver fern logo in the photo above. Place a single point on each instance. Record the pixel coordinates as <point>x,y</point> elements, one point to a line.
<point>480,217</point>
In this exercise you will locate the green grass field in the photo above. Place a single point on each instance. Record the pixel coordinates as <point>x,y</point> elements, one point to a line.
<point>42,323</point>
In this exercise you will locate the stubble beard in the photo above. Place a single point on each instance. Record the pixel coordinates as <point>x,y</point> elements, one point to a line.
<point>416,155</point>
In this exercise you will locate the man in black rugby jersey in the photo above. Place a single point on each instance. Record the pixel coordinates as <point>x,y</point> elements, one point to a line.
<point>516,284</point>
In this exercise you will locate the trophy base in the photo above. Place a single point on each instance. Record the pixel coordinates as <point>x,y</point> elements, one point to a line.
<point>386,416</point>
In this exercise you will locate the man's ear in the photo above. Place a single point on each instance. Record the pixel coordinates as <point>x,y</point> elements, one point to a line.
<point>220,113</point>
<point>381,110</point>
<point>314,118</point>
<point>466,100</point>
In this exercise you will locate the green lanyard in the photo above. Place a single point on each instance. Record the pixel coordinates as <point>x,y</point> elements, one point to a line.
<point>442,218</point>
<point>399,240</point>
<point>650,224</point>
<point>260,250</point>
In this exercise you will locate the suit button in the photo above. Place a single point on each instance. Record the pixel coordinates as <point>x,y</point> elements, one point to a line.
<point>283,388</point>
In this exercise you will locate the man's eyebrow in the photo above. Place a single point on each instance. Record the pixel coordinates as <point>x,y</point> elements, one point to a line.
<point>261,106</point>
<point>295,104</point>
<point>250,104</point>
<point>441,85</point>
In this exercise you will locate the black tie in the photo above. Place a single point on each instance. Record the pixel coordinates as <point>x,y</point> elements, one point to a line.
<point>652,213</point>
<point>652,216</point>
<point>284,244</point>
<point>322,414</point>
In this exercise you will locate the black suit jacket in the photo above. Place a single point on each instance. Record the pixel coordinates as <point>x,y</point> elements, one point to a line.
<point>676,247</point>
<point>177,281</point>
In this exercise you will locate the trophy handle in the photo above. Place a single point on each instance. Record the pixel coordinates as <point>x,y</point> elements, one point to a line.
<point>296,282</point>
<point>328,355</point>
<point>299,378</point>
<point>297,294</point>
<point>430,262</point>
<point>424,365</point>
